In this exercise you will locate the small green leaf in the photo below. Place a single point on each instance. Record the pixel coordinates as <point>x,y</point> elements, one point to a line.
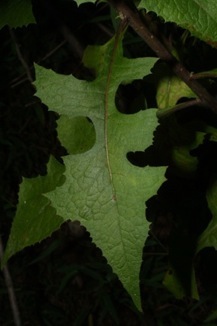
<point>170,88</point>
<point>175,141</point>
<point>209,237</point>
<point>79,2</point>
<point>174,285</point>
<point>197,16</point>
<point>16,13</point>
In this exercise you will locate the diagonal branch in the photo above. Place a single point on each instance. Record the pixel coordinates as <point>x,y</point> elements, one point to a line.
<point>20,56</point>
<point>134,19</point>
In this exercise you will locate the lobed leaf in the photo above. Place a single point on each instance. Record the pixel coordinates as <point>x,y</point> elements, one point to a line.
<point>103,190</point>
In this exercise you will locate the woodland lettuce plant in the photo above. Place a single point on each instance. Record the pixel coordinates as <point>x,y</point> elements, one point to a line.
<point>97,184</point>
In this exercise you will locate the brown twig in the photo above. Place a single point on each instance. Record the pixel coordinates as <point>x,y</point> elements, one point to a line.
<point>22,78</point>
<point>10,288</point>
<point>20,56</point>
<point>134,19</point>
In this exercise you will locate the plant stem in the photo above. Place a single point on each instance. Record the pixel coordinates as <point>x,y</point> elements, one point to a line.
<point>10,288</point>
<point>165,112</point>
<point>20,56</point>
<point>134,19</point>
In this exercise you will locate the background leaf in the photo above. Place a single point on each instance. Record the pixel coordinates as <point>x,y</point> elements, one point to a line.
<point>175,286</point>
<point>79,2</point>
<point>198,16</point>
<point>16,13</point>
<point>209,237</point>
<point>170,88</point>
<point>35,218</point>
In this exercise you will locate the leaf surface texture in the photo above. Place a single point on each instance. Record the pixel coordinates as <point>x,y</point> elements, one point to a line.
<point>198,16</point>
<point>102,189</point>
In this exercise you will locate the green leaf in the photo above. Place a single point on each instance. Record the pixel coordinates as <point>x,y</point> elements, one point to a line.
<point>16,13</point>
<point>177,139</point>
<point>35,218</point>
<point>209,237</point>
<point>103,190</point>
<point>79,2</point>
<point>173,283</point>
<point>197,16</point>
<point>170,88</point>
<point>211,318</point>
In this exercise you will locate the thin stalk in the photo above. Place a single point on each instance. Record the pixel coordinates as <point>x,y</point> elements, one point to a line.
<point>10,288</point>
